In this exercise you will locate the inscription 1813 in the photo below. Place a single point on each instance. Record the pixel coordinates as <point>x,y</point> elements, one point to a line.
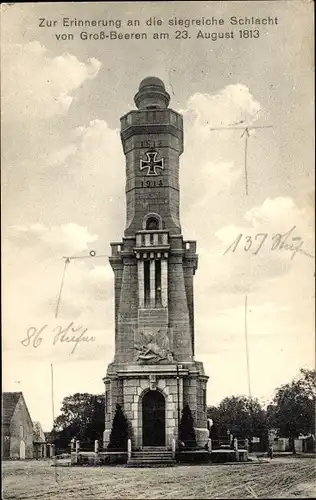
<point>151,184</point>
<point>150,144</point>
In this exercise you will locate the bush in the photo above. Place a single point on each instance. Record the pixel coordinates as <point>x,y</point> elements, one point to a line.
<point>187,433</point>
<point>119,432</point>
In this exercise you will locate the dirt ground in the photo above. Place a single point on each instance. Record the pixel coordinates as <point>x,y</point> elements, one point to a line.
<point>279,478</point>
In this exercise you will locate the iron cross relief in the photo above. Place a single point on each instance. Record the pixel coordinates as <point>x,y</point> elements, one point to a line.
<point>151,163</point>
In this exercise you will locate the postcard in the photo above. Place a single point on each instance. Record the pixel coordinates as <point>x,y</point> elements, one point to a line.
<point>158,249</point>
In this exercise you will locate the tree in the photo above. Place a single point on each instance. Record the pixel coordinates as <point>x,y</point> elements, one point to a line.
<point>119,432</point>
<point>186,431</point>
<point>292,411</point>
<point>240,415</point>
<point>82,417</point>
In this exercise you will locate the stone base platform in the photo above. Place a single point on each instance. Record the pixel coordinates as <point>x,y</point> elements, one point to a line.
<point>220,456</point>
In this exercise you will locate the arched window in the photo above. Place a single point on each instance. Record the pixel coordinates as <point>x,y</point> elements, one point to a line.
<point>152,224</point>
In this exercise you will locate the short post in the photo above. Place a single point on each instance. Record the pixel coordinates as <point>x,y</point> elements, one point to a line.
<point>96,446</point>
<point>129,449</point>
<point>77,450</point>
<point>247,444</point>
<point>96,451</point>
<point>173,447</point>
<point>236,449</point>
<point>72,444</point>
<point>209,445</point>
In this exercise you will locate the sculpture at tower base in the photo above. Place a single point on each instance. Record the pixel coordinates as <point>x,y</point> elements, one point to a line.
<point>154,345</point>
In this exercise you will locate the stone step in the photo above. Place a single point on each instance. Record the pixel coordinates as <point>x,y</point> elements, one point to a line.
<point>153,457</point>
<point>151,453</point>
<point>154,448</point>
<point>150,463</point>
<point>163,452</point>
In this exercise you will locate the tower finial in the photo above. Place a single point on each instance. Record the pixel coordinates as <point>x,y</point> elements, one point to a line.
<point>152,94</point>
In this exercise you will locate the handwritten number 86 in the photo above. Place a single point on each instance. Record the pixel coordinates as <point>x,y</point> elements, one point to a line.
<point>34,337</point>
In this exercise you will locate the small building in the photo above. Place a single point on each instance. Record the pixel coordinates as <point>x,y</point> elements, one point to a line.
<point>42,448</point>
<point>279,444</point>
<point>17,427</point>
<point>305,444</point>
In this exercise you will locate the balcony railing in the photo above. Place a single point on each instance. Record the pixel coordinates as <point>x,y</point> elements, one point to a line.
<point>157,116</point>
<point>149,239</point>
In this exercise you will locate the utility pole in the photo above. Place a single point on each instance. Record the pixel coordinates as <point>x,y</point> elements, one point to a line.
<point>247,348</point>
<point>248,368</point>
<point>53,413</point>
<point>245,134</point>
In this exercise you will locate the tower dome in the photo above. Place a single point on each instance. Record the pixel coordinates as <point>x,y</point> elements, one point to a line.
<point>151,94</point>
<point>150,81</point>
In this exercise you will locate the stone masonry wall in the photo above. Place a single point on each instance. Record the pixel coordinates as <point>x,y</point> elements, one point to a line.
<point>188,281</point>
<point>21,428</point>
<point>134,390</point>
<point>118,276</point>
<point>178,310</point>
<point>193,396</point>
<point>127,314</point>
<point>129,393</point>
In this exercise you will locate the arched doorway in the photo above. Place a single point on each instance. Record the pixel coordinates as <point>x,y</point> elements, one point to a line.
<point>22,450</point>
<point>154,419</point>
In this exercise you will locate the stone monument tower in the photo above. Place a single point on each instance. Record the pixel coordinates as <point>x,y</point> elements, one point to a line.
<point>154,373</point>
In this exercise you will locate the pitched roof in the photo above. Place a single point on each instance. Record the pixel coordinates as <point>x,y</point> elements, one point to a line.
<point>9,402</point>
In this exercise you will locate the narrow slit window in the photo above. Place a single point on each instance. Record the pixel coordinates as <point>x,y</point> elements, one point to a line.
<point>158,282</point>
<point>147,282</point>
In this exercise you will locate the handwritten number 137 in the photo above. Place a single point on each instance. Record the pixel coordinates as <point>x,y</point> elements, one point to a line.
<point>248,244</point>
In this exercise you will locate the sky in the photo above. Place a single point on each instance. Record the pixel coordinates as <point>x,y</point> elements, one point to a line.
<point>63,182</point>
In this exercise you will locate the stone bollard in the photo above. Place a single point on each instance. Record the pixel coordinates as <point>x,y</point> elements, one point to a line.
<point>77,450</point>
<point>173,447</point>
<point>129,449</point>
<point>72,445</point>
<point>96,451</point>
<point>247,444</point>
<point>236,449</point>
<point>209,445</point>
